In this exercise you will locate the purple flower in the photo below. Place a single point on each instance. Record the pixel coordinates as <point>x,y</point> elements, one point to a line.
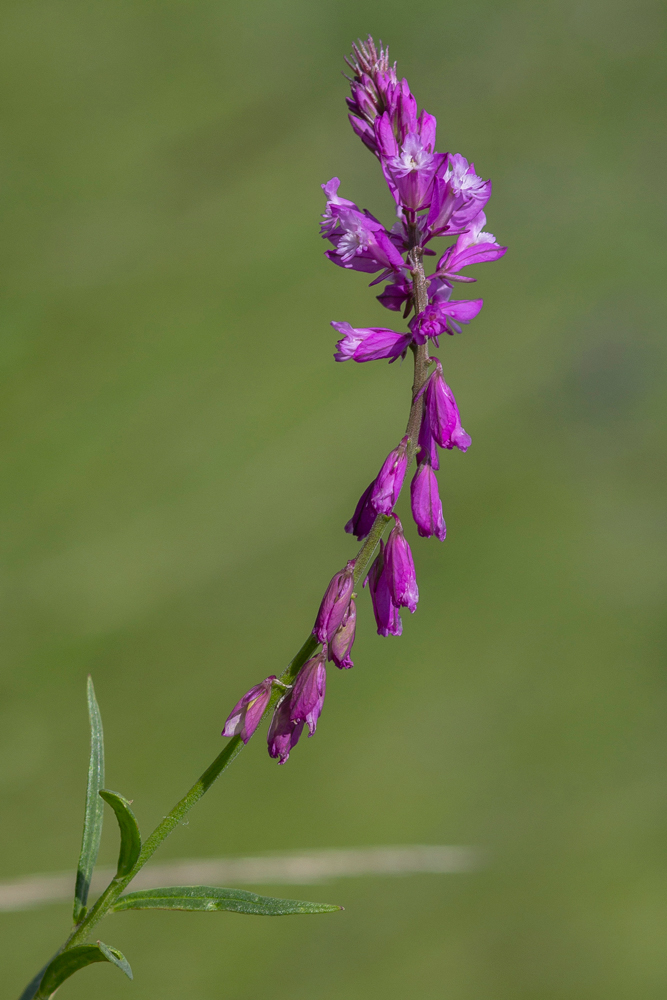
<point>334,604</point>
<point>308,693</point>
<point>331,191</point>
<point>376,90</point>
<point>428,449</point>
<point>387,618</point>
<point>364,515</point>
<point>411,168</point>
<point>283,734</point>
<point>343,640</point>
<point>426,505</point>
<point>443,413</point>
<point>443,317</point>
<point>397,294</point>
<point>360,241</point>
<point>472,247</point>
<point>246,715</point>
<point>373,343</point>
<point>399,569</point>
<point>389,481</point>
<point>458,196</point>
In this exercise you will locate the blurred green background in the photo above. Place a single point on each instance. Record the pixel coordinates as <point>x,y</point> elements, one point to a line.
<point>180,454</point>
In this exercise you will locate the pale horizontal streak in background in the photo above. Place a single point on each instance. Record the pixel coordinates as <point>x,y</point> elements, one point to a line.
<point>298,869</point>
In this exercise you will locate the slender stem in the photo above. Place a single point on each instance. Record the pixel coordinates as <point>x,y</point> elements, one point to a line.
<point>362,564</point>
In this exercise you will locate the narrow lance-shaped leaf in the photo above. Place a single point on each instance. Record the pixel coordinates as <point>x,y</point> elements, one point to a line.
<point>211,898</point>
<point>94,814</point>
<point>68,962</point>
<point>130,838</point>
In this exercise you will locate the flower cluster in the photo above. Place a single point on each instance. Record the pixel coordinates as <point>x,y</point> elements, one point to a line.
<point>436,195</point>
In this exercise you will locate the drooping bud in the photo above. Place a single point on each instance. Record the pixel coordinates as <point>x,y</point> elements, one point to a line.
<point>343,640</point>
<point>283,734</point>
<point>428,449</point>
<point>399,569</point>
<point>247,713</point>
<point>443,414</point>
<point>364,515</point>
<point>390,478</point>
<point>334,604</point>
<point>426,505</point>
<point>308,692</point>
<point>387,618</point>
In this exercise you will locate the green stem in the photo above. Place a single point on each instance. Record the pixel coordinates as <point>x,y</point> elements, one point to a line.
<point>118,885</point>
<point>362,564</point>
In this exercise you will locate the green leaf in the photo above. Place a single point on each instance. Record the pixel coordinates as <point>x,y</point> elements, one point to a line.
<point>130,838</point>
<point>68,962</point>
<point>116,958</point>
<point>206,897</point>
<point>94,814</point>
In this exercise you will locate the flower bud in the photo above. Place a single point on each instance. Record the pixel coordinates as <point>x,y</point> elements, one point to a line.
<point>443,413</point>
<point>283,734</point>
<point>247,713</point>
<point>308,692</point>
<point>426,505</point>
<point>387,618</point>
<point>428,449</point>
<point>334,604</point>
<point>342,642</point>
<point>400,569</point>
<point>387,486</point>
<point>364,515</point>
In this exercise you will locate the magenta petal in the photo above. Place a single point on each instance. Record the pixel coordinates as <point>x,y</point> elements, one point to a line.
<point>387,617</point>
<point>283,734</point>
<point>308,693</point>
<point>381,344</point>
<point>400,570</point>
<point>334,603</point>
<point>426,505</point>
<point>463,310</point>
<point>387,486</point>
<point>343,640</point>
<point>364,515</point>
<point>247,713</point>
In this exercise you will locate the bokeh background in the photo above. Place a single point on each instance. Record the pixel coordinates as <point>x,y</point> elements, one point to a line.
<point>180,454</point>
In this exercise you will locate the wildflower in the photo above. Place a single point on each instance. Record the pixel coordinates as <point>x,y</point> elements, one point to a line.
<point>427,447</point>
<point>369,343</point>
<point>341,644</point>
<point>308,693</point>
<point>399,569</point>
<point>443,414</point>
<point>387,617</point>
<point>411,167</point>
<point>458,196</point>
<point>247,713</point>
<point>474,246</point>
<point>360,241</point>
<point>334,604</point>
<point>331,191</point>
<point>389,481</point>
<point>283,734</point>
<point>364,515</point>
<point>441,316</point>
<point>426,505</point>
<point>396,294</point>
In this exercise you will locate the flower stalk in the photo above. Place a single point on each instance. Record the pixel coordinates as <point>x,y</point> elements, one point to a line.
<point>436,194</point>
